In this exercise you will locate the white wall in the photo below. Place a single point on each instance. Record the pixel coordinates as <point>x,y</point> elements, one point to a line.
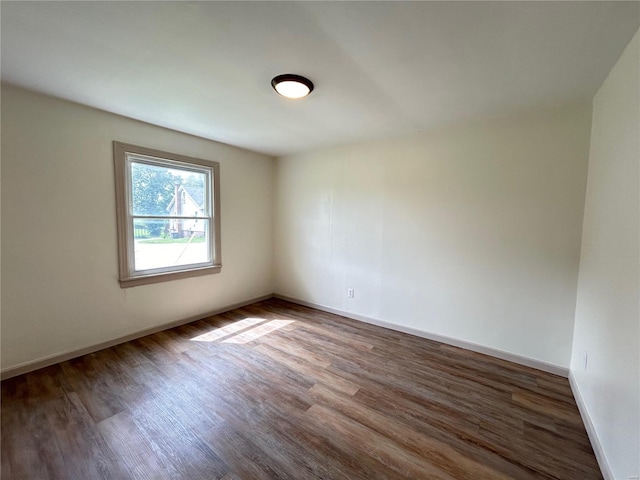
<point>607,323</point>
<point>60,287</point>
<point>470,232</point>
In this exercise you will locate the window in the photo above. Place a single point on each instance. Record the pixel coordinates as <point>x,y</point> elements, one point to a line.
<point>168,212</point>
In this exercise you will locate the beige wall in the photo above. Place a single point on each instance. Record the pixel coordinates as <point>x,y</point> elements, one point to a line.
<point>470,232</point>
<point>607,323</point>
<point>59,254</point>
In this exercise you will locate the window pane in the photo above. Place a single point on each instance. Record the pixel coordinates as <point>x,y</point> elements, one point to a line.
<point>168,216</point>
<point>164,243</point>
<point>158,190</point>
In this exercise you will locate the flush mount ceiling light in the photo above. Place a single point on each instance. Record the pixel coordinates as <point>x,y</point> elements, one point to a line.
<point>292,86</point>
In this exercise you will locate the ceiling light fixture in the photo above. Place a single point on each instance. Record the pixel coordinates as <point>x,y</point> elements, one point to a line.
<point>292,86</point>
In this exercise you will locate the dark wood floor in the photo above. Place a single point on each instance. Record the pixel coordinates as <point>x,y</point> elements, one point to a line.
<point>276,390</point>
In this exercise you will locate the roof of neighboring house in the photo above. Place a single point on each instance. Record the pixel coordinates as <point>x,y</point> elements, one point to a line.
<point>196,194</point>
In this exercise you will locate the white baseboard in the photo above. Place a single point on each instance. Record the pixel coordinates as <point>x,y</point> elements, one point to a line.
<point>493,352</point>
<point>603,463</point>
<point>32,365</point>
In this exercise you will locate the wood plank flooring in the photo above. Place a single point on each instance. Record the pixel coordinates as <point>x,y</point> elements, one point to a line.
<point>280,391</point>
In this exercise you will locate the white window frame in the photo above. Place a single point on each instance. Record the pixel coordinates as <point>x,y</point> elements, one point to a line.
<point>123,155</point>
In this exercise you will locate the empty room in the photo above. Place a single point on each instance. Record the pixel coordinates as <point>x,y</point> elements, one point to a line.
<point>320,240</point>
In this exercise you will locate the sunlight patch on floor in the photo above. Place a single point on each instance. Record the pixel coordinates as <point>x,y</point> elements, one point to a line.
<point>221,332</point>
<point>258,331</point>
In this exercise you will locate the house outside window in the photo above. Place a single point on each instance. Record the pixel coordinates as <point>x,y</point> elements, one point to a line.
<point>168,213</point>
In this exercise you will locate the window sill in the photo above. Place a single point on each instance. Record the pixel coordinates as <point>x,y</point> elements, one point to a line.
<point>165,277</point>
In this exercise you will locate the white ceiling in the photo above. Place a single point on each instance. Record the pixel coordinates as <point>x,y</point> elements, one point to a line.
<point>380,68</point>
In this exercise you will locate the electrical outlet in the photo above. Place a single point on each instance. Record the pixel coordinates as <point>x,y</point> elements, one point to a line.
<point>585,359</point>
<point>351,293</point>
